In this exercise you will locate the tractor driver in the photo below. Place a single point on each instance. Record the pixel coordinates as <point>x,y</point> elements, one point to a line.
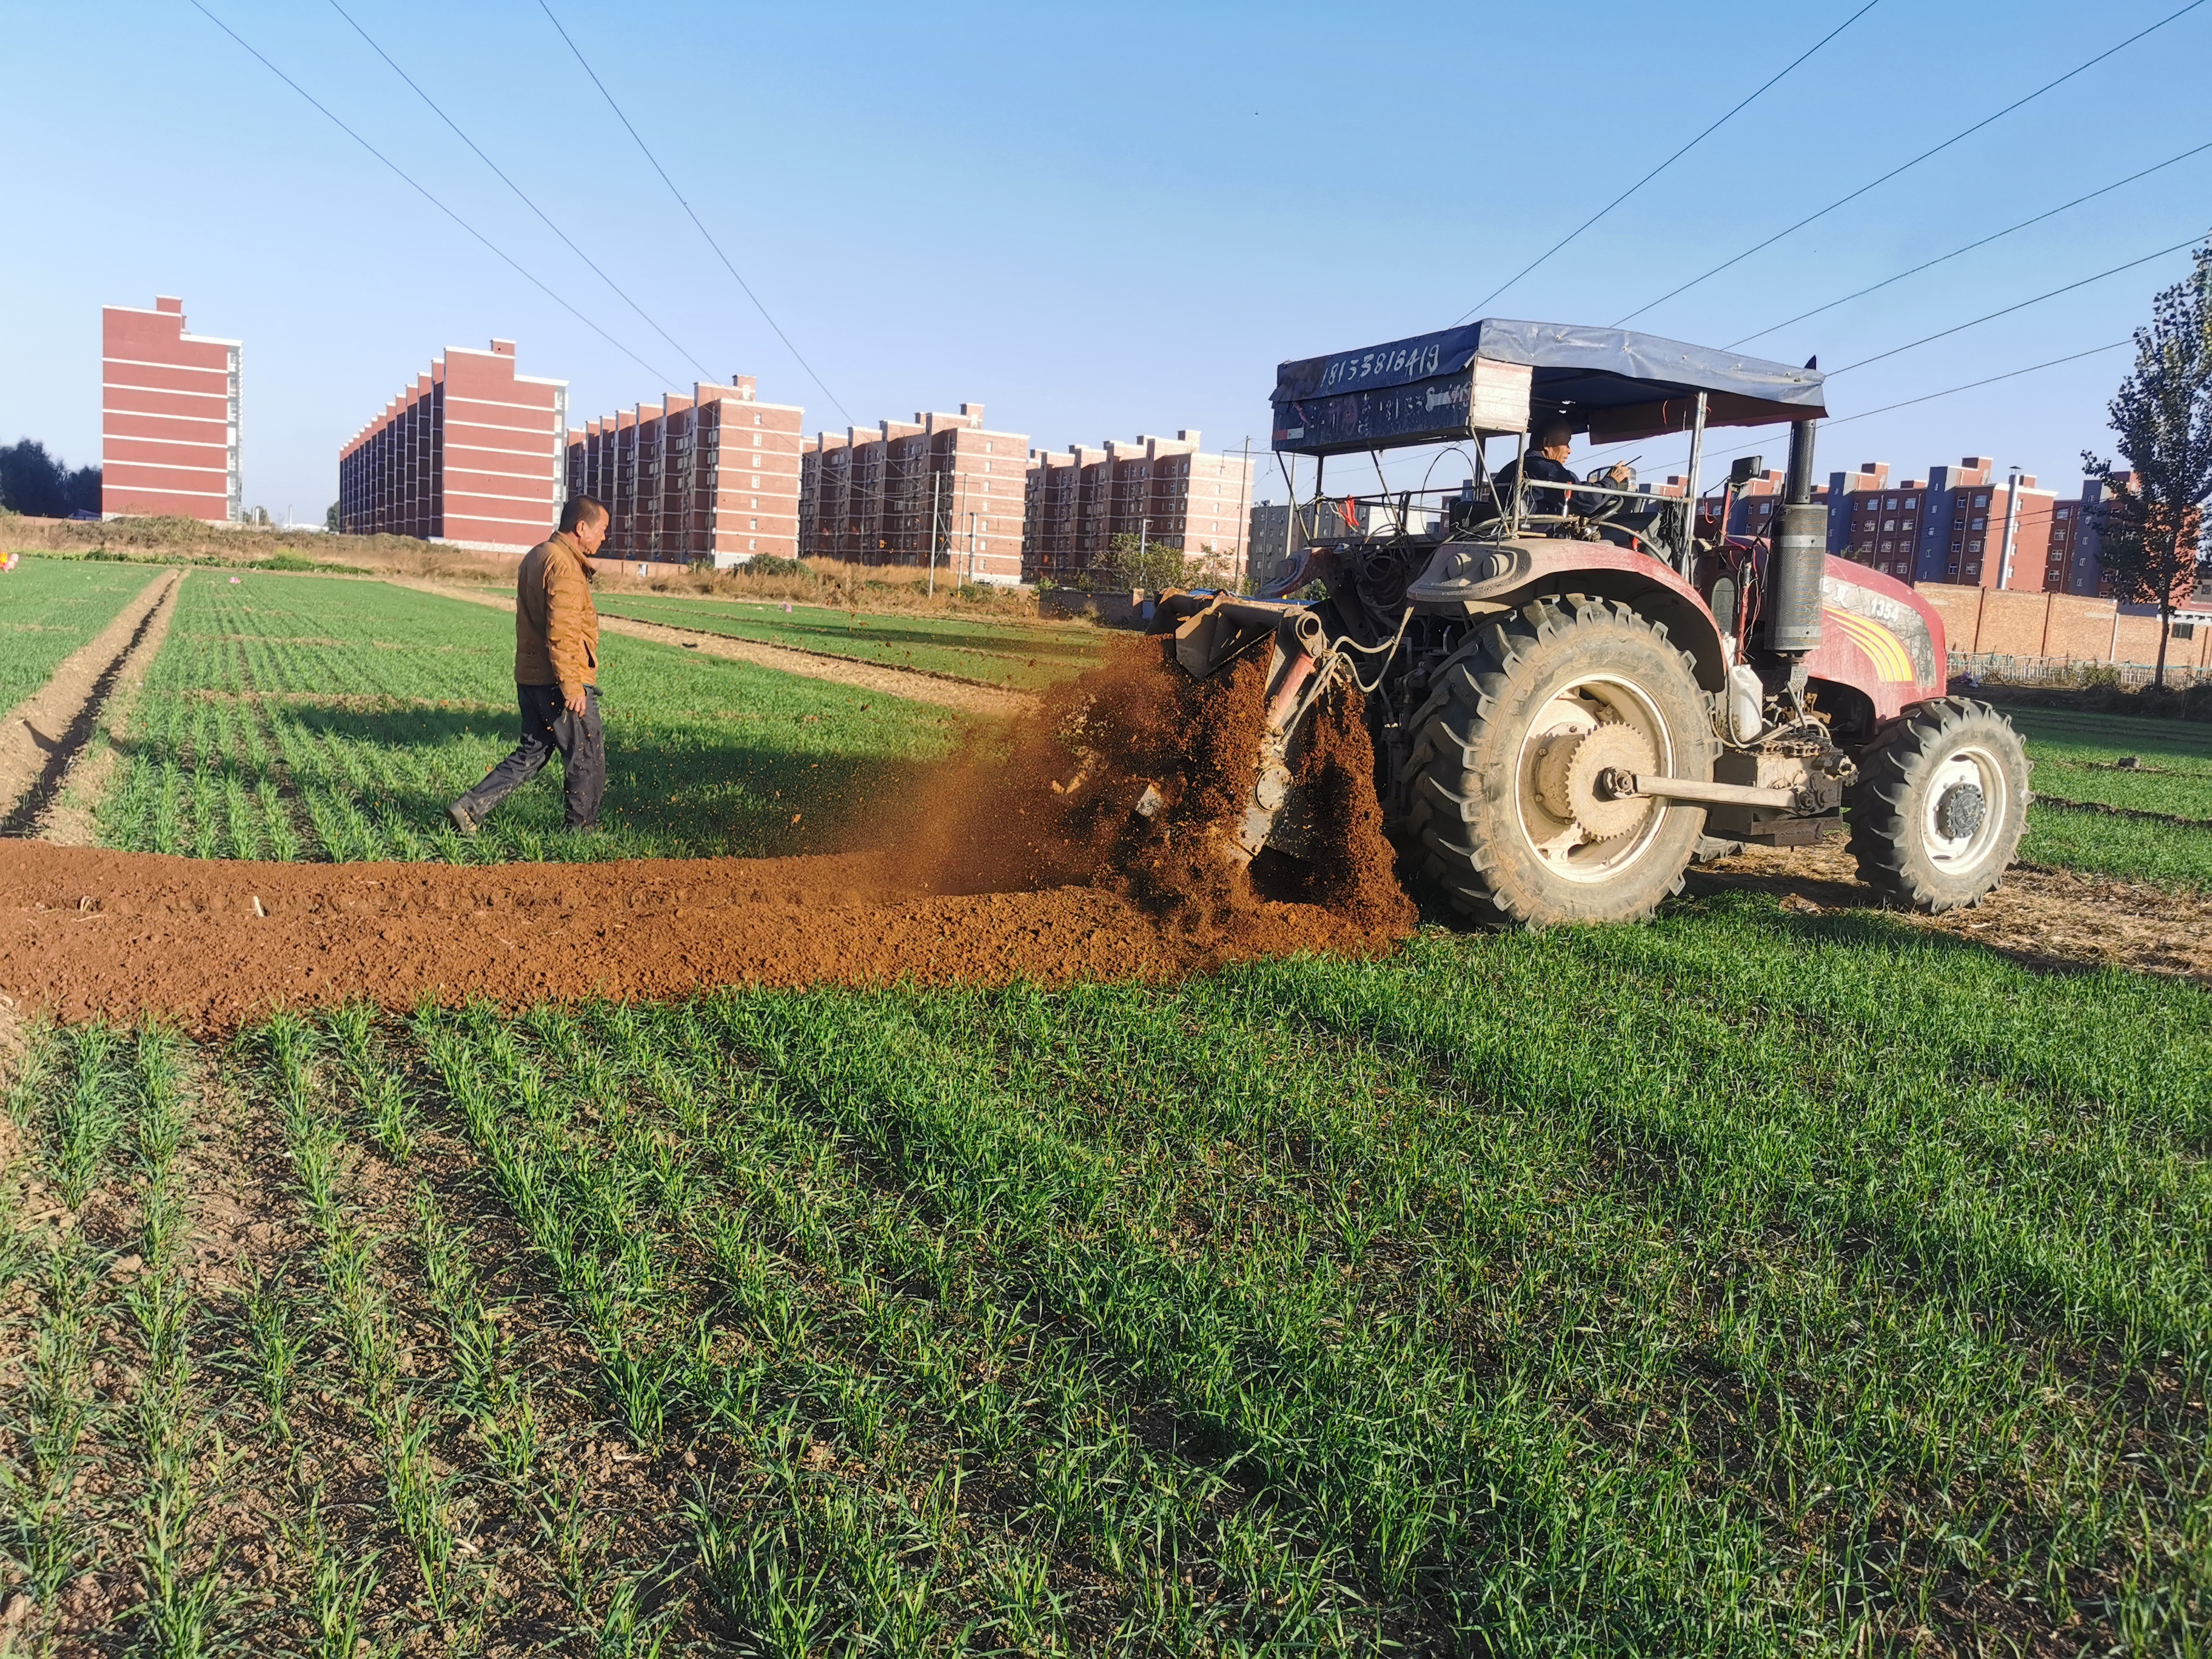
<point>1549,442</point>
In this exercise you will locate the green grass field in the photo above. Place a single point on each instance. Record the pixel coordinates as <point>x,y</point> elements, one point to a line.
<point>2075,755</point>
<point>304,717</point>
<point>994,653</point>
<point>1746,1284</point>
<point>48,608</point>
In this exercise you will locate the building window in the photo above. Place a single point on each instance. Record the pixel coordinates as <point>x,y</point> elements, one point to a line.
<point>755,523</point>
<point>1974,545</point>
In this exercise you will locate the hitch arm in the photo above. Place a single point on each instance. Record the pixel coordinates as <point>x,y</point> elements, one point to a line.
<point>1621,785</point>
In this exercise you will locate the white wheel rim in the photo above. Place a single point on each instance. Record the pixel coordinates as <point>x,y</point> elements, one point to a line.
<point>1563,846</point>
<point>1975,766</point>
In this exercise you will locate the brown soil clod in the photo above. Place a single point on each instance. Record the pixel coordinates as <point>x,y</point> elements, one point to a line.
<point>983,875</point>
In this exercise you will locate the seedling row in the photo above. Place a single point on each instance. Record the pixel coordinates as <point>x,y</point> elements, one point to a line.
<point>293,717</point>
<point>1748,1283</point>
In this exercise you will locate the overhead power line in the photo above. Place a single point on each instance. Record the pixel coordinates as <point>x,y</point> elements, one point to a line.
<point>1907,403</point>
<point>1480,304</point>
<point>521,271</point>
<point>694,217</point>
<point>2007,311</point>
<point>518,190</point>
<point>1994,236</point>
<point>1905,167</point>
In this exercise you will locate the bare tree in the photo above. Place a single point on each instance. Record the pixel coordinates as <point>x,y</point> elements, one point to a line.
<point>2151,528</point>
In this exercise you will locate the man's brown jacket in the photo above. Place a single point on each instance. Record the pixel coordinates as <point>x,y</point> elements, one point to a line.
<point>556,626</point>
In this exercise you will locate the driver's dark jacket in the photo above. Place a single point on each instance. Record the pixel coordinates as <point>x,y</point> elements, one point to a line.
<point>1542,469</point>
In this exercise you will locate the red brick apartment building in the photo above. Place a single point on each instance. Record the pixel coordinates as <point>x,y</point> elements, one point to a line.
<point>472,453</point>
<point>168,416</point>
<point>711,476</point>
<point>1167,490</point>
<point>894,493</point>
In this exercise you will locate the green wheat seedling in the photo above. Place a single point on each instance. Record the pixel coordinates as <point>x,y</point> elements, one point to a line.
<point>88,1115</point>
<point>420,1497</point>
<point>982,1414</point>
<point>181,1601</point>
<point>56,1416</point>
<point>1095,1490</point>
<point>338,724</point>
<point>275,1345</point>
<point>338,1590</point>
<point>380,1094</point>
<point>660,1375</point>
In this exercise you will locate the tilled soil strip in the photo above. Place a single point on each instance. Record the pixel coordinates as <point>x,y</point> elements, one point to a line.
<point>2045,918</point>
<point>74,801</point>
<point>212,943</point>
<point>941,690</point>
<point>42,733</point>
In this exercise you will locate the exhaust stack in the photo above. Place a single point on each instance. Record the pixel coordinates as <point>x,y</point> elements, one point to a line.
<point>1801,553</point>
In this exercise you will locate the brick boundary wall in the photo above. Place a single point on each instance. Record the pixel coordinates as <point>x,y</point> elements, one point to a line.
<point>2062,627</point>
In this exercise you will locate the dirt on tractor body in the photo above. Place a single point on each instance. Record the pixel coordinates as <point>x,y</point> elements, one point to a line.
<point>1030,864</point>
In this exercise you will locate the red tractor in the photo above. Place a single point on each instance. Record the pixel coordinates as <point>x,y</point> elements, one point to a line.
<point>1575,692</point>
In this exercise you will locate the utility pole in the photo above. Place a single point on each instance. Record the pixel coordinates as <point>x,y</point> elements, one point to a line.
<point>2012,519</point>
<point>935,479</point>
<point>971,548</point>
<point>1240,567</point>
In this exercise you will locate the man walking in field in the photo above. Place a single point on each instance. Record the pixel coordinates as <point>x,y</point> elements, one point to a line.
<point>556,672</point>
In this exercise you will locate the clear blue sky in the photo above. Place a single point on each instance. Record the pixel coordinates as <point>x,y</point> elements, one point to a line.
<point>1096,222</point>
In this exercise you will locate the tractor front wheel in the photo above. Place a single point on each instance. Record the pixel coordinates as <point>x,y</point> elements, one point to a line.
<point>1940,804</point>
<point>1508,812</point>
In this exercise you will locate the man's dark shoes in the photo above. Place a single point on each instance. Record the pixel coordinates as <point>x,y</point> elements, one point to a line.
<point>463,819</point>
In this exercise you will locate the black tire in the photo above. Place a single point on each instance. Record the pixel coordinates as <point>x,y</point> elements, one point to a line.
<point>1496,748</point>
<point>1940,804</point>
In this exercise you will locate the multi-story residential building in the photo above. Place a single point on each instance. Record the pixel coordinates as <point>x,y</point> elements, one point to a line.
<point>168,422</point>
<point>2070,562</point>
<point>1977,531</point>
<point>472,454</point>
<point>1166,491</point>
<point>713,477</point>
<point>942,485</point>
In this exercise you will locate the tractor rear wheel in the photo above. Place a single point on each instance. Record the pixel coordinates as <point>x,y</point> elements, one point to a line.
<point>1505,814</point>
<point>1940,804</point>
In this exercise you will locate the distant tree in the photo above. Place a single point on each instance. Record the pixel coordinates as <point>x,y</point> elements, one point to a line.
<point>34,481</point>
<point>331,518</point>
<point>2151,528</point>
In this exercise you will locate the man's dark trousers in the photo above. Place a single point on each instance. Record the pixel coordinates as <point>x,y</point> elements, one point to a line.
<point>547,726</point>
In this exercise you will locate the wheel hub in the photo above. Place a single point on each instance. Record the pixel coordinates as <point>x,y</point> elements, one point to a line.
<point>1959,811</point>
<point>1569,770</point>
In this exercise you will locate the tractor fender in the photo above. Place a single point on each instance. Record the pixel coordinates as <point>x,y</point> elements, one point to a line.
<point>1878,639</point>
<point>1484,575</point>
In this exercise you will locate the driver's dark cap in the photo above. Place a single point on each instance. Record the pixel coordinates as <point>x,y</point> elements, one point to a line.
<point>1553,429</point>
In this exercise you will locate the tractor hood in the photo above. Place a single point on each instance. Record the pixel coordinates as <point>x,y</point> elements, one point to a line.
<point>1496,375</point>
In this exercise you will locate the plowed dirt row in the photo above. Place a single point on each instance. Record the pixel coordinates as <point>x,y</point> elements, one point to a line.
<point>84,931</point>
<point>42,733</point>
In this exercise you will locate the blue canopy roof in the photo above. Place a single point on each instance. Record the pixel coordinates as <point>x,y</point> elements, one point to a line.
<point>1607,381</point>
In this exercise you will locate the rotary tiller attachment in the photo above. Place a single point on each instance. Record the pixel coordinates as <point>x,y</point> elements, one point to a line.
<point>1211,631</point>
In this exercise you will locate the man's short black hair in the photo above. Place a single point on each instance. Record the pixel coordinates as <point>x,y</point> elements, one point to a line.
<point>578,509</point>
<point>1551,430</point>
